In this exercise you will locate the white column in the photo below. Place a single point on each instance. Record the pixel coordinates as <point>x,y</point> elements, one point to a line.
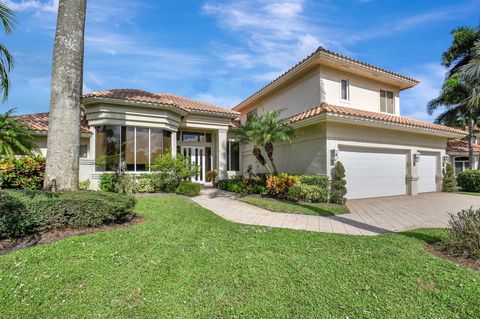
<point>174,143</point>
<point>222,153</point>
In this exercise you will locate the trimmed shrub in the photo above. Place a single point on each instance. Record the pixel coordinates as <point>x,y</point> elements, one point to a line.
<point>169,171</point>
<point>84,185</point>
<point>338,188</point>
<point>145,184</point>
<point>317,180</point>
<point>449,180</point>
<point>188,188</point>
<point>469,180</point>
<point>22,173</point>
<point>255,189</point>
<point>464,234</point>
<point>278,185</point>
<point>107,182</point>
<point>307,193</point>
<point>234,185</point>
<point>42,211</point>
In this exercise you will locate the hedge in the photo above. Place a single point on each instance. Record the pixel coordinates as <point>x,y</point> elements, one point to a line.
<point>317,180</point>
<point>188,188</point>
<point>27,212</point>
<point>469,181</point>
<point>307,193</point>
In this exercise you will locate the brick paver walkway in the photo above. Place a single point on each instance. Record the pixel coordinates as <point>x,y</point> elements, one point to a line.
<point>367,216</point>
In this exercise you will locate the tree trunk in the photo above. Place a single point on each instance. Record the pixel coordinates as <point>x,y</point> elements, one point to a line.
<point>258,155</point>
<point>470,143</point>
<point>63,144</point>
<point>269,151</point>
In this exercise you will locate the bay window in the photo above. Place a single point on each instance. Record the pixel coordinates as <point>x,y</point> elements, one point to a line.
<point>137,147</point>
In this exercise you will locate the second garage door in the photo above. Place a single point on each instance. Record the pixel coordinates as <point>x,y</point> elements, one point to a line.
<point>427,169</point>
<point>374,173</point>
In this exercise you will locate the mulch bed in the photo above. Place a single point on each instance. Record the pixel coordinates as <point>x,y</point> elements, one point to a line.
<point>466,262</point>
<point>8,246</point>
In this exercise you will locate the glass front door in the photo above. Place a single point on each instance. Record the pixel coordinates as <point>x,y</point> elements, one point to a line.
<point>197,157</point>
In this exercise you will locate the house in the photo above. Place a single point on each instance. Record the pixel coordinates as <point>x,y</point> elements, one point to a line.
<point>458,152</point>
<point>341,108</point>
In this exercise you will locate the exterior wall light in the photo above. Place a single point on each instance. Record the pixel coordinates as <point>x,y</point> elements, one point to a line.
<point>416,158</point>
<point>446,160</point>
<point>334,156</point>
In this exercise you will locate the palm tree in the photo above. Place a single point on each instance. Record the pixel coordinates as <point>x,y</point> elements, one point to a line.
<point>63,144</point>
<point>14,137</point>
<point>461,50</point>
<point>264,131</point>
<point>456,88</point>
<point>274,130</point>
<point>251,133</point>
<point>6,60</point>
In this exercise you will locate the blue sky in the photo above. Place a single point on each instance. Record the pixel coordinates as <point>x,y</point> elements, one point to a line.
<point>222,51</point>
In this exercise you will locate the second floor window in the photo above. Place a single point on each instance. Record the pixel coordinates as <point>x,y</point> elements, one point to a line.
<point>345,90</point>
<point>387,102</point>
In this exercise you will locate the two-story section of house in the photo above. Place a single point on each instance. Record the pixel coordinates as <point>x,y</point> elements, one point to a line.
<point>349,111</point>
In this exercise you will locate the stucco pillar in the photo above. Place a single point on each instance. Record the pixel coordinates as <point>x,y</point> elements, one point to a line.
<point>222,153</point>
<point>412,173</point>
<point>174,143</point>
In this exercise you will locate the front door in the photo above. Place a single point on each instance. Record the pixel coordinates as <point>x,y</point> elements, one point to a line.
<point>197,157</point>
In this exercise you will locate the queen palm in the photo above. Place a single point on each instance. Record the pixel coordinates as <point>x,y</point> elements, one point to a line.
<point>251,133</point>
<point>62,164</point>
<point>14,137</point>
<point>273,130</point>
<point>6,59</point>
<point>264,131</point>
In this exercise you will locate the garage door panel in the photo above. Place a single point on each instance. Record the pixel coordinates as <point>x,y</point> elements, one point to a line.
<point>374,173</point>
<point>427,171</point>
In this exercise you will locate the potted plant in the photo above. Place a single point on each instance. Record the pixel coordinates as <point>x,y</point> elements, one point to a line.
<point>212,176</point>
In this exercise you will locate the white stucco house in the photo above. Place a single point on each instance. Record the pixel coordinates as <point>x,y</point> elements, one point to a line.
<point>342,109</point>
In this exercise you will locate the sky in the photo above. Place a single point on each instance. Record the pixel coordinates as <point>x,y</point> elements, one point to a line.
<point>223,51</point>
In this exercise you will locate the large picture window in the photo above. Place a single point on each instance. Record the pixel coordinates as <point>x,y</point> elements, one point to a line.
<point>233,155</point>
<point>137,147</point>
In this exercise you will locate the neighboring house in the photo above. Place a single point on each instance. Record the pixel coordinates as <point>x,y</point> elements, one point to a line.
<point>458,152</point>
<point>342,109</point>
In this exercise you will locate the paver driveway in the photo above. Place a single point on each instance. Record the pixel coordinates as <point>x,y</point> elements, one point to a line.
<point>367,216</point>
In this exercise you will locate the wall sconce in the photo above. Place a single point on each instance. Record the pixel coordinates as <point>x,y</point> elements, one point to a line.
<point>446,159</point>
<point>416,158</point>
<point>334,156</point>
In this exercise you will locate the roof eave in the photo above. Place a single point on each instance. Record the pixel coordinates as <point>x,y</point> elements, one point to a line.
<point>328,116</point>
<point>95,99</point>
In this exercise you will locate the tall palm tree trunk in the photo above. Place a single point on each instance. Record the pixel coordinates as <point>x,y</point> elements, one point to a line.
<point>470,144</point>
<point>63,144</point>
<point>258,155</point>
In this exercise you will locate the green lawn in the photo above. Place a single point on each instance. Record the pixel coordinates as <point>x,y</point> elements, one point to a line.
<point>469,193</point>
<point>283,206</point>
<point>186,262</point>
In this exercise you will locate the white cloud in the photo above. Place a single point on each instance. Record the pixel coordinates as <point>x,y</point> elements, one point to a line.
<point>50,6</point>
<point>224,101</point>
<point>414,101</point>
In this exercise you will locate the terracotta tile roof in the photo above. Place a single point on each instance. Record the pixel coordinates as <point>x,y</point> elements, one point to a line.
<point>39,122</point>
<point>182,103</point>
<point>460,146</point>
<point>326,108</point>
<point>317,53</point>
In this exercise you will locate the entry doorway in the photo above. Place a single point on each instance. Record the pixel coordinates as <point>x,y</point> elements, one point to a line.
<point>197,157</point>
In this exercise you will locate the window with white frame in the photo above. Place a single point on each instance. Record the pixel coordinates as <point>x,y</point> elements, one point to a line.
<point>461,164</point>
<point>387,102</point>
<point>345,90</point>
<point>136,147</point>
<point>233,156</point>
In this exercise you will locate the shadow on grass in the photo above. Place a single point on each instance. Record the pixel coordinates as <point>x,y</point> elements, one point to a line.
<point>423,236</point>
<point>320,211</point>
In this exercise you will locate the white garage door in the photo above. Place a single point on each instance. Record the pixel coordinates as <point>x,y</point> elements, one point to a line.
<point>427,168</point>
<point>374,173</point>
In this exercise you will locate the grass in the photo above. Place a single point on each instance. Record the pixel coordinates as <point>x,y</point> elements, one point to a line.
<point>186,262</point>
<point>283,206</point>
<point>469,193</point>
